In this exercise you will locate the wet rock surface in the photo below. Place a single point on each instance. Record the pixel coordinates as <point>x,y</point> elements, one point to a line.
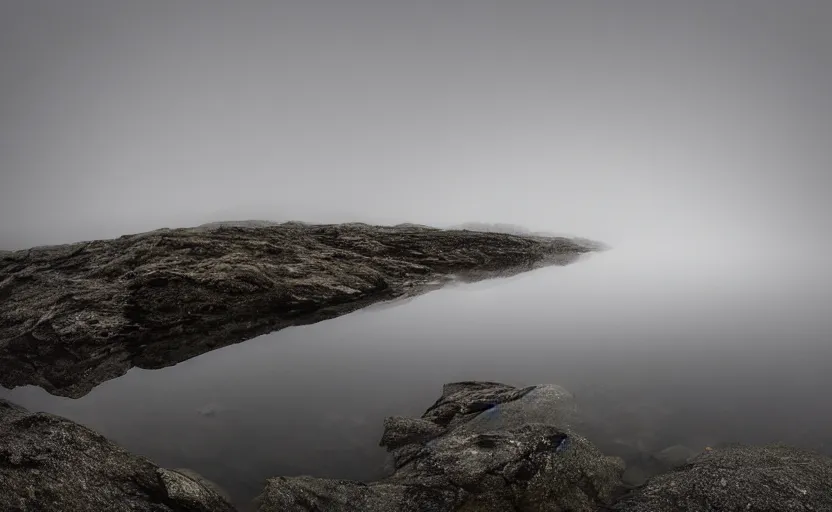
<point>77,315</point>
<point>48,463</point>
<point>739,478</point>
<point>482,446</point>
<point>486,446</point>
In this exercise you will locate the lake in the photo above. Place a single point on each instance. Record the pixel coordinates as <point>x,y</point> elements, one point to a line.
<point>690,344</point>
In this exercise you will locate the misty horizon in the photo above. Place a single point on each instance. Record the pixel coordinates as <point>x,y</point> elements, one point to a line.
<point>694,139</point>
<point>496,227</point>
<point>638,121</point>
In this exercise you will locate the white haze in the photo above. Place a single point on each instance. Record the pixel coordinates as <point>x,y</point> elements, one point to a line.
<point>650,123</point>
<point>692,137</point>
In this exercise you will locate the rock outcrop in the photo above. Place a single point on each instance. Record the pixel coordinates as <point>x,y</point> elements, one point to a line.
<point>77,315</point>
<point>50,464</point>
<point>737,478</point>
<point>482,447</point>
<point>488,447</point>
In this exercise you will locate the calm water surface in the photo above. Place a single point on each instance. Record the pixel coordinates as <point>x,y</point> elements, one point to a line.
<point>661,346</point>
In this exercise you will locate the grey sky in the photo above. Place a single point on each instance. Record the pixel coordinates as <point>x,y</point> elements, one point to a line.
<point>620,120</point>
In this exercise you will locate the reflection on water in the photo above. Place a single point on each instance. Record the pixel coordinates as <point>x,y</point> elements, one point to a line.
<point>674,346</point>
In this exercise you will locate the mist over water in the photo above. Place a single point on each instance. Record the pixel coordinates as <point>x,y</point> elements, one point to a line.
<point>661,347</point>
<point>692,137</point>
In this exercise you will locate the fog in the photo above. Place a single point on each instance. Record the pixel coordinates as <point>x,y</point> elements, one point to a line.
<point>633,122</point>
<point>692,137</point>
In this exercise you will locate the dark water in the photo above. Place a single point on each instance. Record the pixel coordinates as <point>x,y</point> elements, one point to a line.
<point>674,345</point>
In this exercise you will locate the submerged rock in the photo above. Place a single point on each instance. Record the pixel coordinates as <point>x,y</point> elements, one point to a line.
<point>48,463</point>
<point>675,456</point>
<point>77,315</point>
<point>210,410</point>
<point>739,478</point>
<point>482,446</point>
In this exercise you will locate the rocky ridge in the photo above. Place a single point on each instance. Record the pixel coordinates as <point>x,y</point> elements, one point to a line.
<point>77,315</point>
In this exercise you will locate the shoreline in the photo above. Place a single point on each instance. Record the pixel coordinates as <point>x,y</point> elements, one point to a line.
<point>78,315</point>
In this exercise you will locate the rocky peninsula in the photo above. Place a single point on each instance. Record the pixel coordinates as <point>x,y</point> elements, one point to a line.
<point>77,315</point>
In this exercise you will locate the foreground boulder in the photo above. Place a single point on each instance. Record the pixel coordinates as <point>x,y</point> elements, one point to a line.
<point>77,315</point>
<point>739,478</point>
<point>483,447</point>
<point>48,463</point>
